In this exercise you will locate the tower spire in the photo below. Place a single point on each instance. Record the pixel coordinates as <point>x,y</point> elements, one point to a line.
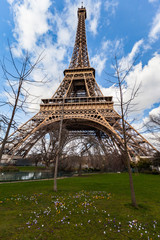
<point>80,57</point>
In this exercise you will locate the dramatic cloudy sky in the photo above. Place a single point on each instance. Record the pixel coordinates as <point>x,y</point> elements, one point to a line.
<point>122,27</point>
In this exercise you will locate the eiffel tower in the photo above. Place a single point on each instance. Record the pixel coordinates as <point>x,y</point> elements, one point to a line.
<point>84,107</point>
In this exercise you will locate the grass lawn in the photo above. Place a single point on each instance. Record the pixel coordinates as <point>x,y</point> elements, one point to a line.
<point>88,207</point>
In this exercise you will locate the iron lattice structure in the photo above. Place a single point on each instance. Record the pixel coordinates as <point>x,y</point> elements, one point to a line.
<point>83,105</point>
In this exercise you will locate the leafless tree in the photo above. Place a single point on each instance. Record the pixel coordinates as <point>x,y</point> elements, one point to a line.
<point>46,148</point>
<point>76,150</point>
<point>59,147</point>
<point>119,76</point>
<point>153,127</point>
<point>4,121</point>
<point>89,151</point>
<point>82,150</point>
<point>17,74</point>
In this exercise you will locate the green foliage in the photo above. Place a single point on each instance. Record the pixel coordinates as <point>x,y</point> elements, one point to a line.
<point>92,207</point>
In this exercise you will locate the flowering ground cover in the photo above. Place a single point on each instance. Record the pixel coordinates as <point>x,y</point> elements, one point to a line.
<point>88,207</point>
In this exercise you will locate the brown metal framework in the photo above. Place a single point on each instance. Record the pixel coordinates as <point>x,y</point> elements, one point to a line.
<point>83,105</point>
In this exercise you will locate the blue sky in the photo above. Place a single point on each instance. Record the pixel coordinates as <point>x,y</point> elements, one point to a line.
<point>123,27</point>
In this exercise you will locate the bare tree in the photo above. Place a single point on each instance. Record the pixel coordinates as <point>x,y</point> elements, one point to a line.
<point>81,150</point>
<point>17,78</point>
<point>75,151</point>
<point>153,127</point>
<point>46,148</point>
<point>4,121</point>
<point>119,77</point>
<point>58,149</point>
<point>85,147</point>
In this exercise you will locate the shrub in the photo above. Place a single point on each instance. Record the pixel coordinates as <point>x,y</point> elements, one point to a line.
<point>155,172</point>
<point>9,169</point>
<point>144,165</point>
<point>156,159</point>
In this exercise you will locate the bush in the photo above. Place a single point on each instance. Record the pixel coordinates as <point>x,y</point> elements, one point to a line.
<point>144,165</point>
<point>156,159</point>
<point>155,172</point>
<point>9,169</point>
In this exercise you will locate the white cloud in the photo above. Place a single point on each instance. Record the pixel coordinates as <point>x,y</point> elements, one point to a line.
<point>31,21</point>
<point>155,112</point>
<point>107,49</point>
<point>10,1</point>
<point>63,36</point>
<point>125,62</point>
<point>154,33</point>
<point>111,6</point>
<point>149,94</point>
<point>148,77</point>
<point>106,44</point>
<point>69,15</point>
<point>110,48</point>
<point>152,1</point>
<point>93,9</point>
<point>98,62</point>
<point>135,49</point>
<point>153,135</point>
<point>154,140</point>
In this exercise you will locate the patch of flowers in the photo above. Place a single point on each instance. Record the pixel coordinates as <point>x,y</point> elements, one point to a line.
<point>82,210</point>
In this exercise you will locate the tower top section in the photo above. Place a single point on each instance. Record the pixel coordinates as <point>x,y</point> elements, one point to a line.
<point>80,57</point>
<point>82,10</point>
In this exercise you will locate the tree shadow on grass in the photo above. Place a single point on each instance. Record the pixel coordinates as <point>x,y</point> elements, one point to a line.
<point>142,207</point>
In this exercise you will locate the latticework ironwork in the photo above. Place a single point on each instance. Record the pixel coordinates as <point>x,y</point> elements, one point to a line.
<point>83,105</point>
<point>80,57</point>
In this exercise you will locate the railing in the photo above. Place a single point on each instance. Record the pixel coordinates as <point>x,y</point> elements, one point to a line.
<point>77,100</point>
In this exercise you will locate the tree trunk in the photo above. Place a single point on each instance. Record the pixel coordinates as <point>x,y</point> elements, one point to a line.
<point>133,198</point>
<point>80,168</point>
<point>55,173</point>
<point>58,151</point>
<point>11,120</point>
<point>127,154</point>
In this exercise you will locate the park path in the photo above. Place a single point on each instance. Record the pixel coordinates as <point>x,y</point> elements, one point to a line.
<point>35,180</point>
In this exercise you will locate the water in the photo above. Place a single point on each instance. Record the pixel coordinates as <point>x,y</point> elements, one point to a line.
<point>20,176</point>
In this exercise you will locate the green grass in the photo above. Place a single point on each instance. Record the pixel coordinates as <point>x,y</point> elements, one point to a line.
<point>89,207</point>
